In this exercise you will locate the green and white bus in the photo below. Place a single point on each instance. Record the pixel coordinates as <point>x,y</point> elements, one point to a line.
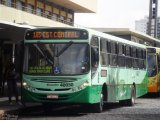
<point>81,66</point>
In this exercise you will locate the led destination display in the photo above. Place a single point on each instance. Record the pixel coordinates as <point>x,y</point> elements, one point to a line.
<point>56,34</point>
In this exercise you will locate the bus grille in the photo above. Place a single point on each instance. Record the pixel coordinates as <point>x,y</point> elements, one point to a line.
<point>53,80</point>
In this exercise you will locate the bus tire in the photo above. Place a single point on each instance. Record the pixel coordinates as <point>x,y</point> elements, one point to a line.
<point>105,93</point>
<point>131,101</point>
<point>98,107</point>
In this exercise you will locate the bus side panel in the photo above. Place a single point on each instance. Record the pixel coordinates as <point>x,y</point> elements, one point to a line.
<point>122,78</point>
<point>153,85</point>
<point>130,80</point>
<point>141,86</point>
<point>112,83</point>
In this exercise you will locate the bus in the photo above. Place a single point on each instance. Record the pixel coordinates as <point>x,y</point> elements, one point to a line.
<point>82,66</point>
<point>153,58</point>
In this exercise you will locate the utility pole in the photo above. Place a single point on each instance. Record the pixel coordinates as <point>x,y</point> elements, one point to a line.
<point>153,11</point>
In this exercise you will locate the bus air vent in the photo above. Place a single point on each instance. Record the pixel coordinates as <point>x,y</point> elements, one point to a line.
<point>65,89</point>
<point>52,80</point>
<point>43,89</point>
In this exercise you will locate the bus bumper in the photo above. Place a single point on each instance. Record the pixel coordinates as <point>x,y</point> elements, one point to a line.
<point>90,94</point>
<point>153,88</point>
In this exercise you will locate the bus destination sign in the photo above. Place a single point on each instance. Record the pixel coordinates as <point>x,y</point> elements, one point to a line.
<point>56,34</point>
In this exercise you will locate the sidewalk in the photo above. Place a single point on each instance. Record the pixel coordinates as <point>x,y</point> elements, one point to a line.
<point>6,108</point>
<point>10,111</point>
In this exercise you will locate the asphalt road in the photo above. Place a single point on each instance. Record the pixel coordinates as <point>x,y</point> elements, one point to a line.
<point>144,109</point>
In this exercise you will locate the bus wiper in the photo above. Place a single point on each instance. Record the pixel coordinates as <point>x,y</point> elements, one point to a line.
<point>64,48</point>
<point>39,49</point>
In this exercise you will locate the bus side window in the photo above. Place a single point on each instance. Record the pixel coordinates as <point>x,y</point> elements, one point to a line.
<point>113,55</point>
<point>94,56</point>
<point>128,56</point>
<point>108,49</point>
<point>108,46</point>
<point>121,55</point>
<point>102,45</point>
<point>140,59</point>
<point>144,57</point>
<point>135,58</point>
<point>158,60</point>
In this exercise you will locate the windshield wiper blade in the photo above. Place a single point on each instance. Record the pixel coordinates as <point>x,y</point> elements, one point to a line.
<point>39,49</point>
<point>64,48</point>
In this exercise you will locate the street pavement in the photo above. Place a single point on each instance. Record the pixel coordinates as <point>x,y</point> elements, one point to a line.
<point>144,109</point>
<point>6,108</point>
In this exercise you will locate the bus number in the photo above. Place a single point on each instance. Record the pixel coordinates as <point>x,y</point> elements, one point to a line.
<point>66,84</point>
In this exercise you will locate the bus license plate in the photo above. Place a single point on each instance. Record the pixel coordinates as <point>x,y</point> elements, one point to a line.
<point>52,96</point>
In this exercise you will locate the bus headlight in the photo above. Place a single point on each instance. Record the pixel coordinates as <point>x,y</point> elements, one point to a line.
<point>24,84</point>
<point>85,84</point>
<point>29,88</point>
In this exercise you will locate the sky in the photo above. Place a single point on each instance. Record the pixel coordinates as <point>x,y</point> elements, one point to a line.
<point>114,14</point>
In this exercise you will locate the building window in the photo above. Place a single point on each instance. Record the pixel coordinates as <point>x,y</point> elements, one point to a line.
<point>30,8</point>
<point>62,18</point>
<point>39,11</point>
<point>20,5</point>
<point>9,3</point>
<point>48,14</point>
<point>54,16</point>
<point>69,20</point>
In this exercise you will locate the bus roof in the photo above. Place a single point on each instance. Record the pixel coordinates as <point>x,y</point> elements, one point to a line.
<point>114,38</point>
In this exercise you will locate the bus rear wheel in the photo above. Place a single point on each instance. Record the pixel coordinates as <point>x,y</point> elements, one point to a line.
<point>98,107</point>
<point>131,101</point>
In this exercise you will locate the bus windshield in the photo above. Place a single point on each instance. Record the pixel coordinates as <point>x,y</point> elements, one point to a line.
<point>151,58</point>
<point>57,59</point>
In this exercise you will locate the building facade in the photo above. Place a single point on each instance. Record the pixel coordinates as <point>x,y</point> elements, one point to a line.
<point>142,26</point>
<point>44,12</point>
